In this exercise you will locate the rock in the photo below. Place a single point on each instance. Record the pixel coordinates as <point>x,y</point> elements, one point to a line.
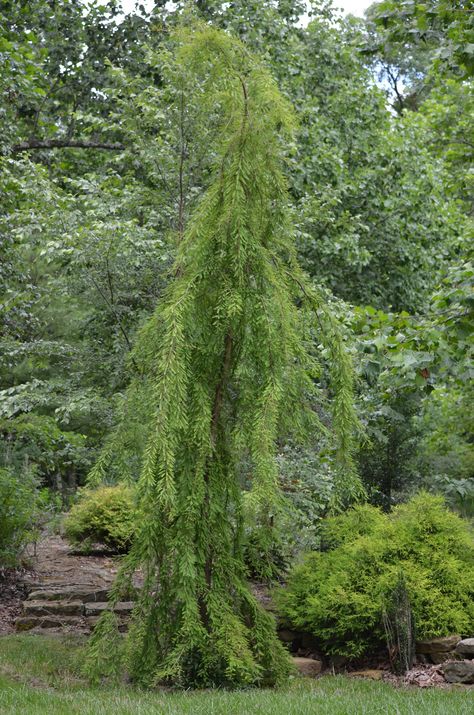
<point>123,608</point>
<point>459,672</point>
<point>371,674</point>
<point>437,645</point>
<point>308,666</point>
<point>45,595</point>
<point>71,593</point>
<point>438,658</point>
<point>27,623</point>
<point>466,648</point>
<point>50,608</point>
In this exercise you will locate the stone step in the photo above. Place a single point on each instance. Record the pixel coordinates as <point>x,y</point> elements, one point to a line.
<point>54,612</point>
<point>466,648</point>
<point>122,608</point>
<point>50,608</point>
<point>72,593</point>
<point>27,623</point>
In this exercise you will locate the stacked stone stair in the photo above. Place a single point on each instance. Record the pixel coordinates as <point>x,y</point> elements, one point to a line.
<point>68,607</point>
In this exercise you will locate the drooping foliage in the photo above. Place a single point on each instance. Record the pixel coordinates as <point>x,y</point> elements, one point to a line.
<point>107,146</point>
<point>229,367</point>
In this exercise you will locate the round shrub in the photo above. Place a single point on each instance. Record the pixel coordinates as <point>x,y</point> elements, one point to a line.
<point>102,516</point>
<point>339,595</point>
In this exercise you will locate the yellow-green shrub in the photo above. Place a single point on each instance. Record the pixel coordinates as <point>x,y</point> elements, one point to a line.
<point>339,595</point>
<point>103,516</point>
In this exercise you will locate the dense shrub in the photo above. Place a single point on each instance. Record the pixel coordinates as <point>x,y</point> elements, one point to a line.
<point>339,595</point>
<point>18,511</point>
<point>102,516</point>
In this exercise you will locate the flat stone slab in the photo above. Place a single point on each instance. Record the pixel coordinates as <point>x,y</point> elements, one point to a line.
<point>122,608</point>
<point>437,645</point>
<point>460,672</point>
<point>466,648</point>
<point>308,666</point>
<point>73,593</point>
<point>27,623</point>
<point>48,608</point>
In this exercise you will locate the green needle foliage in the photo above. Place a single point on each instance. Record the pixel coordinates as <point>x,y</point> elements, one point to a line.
<point>229,361</point>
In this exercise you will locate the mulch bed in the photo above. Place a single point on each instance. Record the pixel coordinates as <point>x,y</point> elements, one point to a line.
<point>12,592</point>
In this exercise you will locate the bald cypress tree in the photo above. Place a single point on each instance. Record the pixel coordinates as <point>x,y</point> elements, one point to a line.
<point>230,362</point>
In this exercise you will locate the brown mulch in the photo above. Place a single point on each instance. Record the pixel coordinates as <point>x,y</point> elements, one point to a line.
<point>12,592</point>
<point>421,676</point>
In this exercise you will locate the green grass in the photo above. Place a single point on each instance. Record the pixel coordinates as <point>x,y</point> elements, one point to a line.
<point>41,675</point>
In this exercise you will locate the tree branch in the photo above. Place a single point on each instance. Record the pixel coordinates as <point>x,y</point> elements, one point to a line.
<point>116,316</point>
<point>393,79</point>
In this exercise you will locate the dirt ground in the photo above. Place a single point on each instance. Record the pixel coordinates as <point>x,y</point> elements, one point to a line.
<point>56,564</point>
<point>12,593</point>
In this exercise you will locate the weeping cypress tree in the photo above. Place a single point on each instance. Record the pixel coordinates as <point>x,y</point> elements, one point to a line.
<point>229,363</point>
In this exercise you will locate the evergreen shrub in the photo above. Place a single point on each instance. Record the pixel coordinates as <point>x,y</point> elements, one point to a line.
<point>103,516</point>
<point>340,594</point>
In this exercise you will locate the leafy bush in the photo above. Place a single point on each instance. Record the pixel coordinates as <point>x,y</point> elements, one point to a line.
<point>339,595</point>
<point>59,457</point>
<point>307,482</point>
<point>102,516</point>
<point>18,511</point>
<point>446,452</point>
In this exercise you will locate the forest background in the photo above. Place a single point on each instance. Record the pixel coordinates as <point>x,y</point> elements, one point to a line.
<point>104,153</point>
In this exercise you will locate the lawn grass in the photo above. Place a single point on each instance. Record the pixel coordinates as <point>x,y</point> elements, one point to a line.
<point>41,675</point>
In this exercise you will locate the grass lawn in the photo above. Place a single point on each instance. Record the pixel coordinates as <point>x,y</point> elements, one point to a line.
<point>40,674</point>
